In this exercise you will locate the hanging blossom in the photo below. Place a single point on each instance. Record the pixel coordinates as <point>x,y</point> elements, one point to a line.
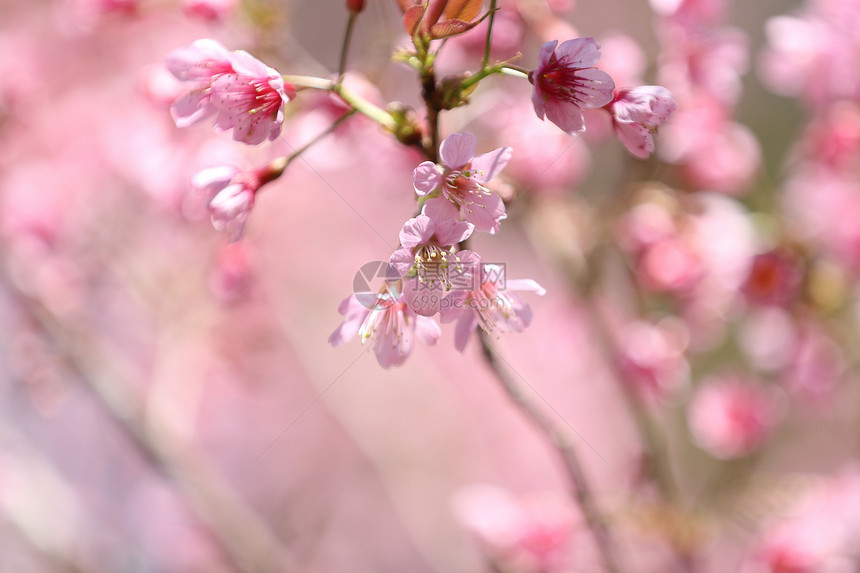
<point>455,188</point>
<point>489,304</point>
<point>231,193</point>
<point>637,114</point>
<point>244,94</point>
<point>427,256</point>
<point>389,323</point>
<point>566,82</point>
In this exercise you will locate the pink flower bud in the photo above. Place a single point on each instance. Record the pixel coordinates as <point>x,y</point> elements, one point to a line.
<point>355,6</point>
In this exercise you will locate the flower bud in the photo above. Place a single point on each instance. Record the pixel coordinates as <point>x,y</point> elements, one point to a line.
<point>355,6</point>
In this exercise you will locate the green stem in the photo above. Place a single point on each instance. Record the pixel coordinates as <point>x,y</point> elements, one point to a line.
<point>492,13</point>
<point>499,68</point>
<point>357,102</point>
<point>350,24</point>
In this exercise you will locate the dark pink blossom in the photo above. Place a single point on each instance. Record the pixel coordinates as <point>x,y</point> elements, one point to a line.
<point>461,177</point>
<point>775,277</point>
<point>566,82</point>
<point>389,323</point>
<point>244,94</point>
<point>637,113</point>
<point>250,100</point>
<point>490,305</point>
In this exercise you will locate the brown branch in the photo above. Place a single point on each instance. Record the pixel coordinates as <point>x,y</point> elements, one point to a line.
<point>245,539</point>
<point>580,488</point>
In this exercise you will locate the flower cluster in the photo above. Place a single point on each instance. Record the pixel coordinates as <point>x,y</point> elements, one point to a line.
<point>434,276</point>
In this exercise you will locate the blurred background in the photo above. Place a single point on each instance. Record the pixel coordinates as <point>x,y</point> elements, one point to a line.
<point>169,401</point>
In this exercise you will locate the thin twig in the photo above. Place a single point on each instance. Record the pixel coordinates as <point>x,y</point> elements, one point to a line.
<point>581,490</point>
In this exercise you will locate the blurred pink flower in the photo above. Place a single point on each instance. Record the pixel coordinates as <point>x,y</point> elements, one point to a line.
<point>716,153</point>
<point>566,82</point>
<point>730,418</point>
<point>637,113</point>
<point>461,177</point>
<point>209,10</point>
<point>528,534</point>
<point>246,95</point>
<point>231,194</point>
<point>818,534</point>
<point>652,357</point>
<point>813,55</point>
<point>389,323</point>
<point>491,306</point>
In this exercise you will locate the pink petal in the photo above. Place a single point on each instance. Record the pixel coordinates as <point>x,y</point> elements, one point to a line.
<point>638,140</point>
<point>417,231</point>
<point>597,88</point>
<point>191,107</point>
<point>458,149</point>
<point>545,55</point>
<point>355,314</point>
<point>427,330</point>
<point>201,60</point>
<point>426,178</point>
<point>465,326</point>
<point>566,115</point>
<point>471,263</point>
<point>450,232</point>
<point>421,298</point>
<point>525,285</point>
<point>538,101</point>
<point>440,210</point>
<point>580,52</point>
<point>402,260</point>
<point>394,344</point>
<point>246,64</point>
<point>486,166</point>
<point>453,306</point>
<point>212,180</point>
<point>485,210</point>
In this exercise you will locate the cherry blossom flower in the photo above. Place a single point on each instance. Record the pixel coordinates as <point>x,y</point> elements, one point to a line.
<point>427,254</point>
<point>461,178</point>
<point>637,113</point>
<point>566,82</point>
<point>244,94</point>
<point>730,418</point>
<point>197,66</point>
<point>250,100</point>
<point>389,323</point>
<point>231,194</point>
<point>490,305</point>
